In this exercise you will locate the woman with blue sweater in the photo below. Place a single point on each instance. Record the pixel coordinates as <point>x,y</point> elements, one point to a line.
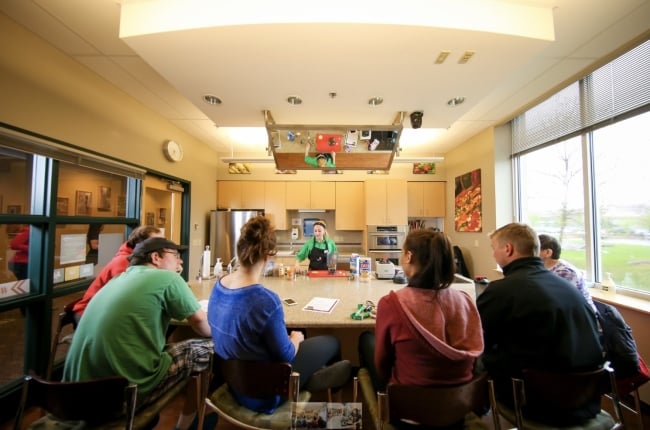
<point>247,322</point>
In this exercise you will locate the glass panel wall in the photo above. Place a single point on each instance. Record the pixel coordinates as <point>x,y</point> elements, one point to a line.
<point>16,171</point>
<point>84,192</point>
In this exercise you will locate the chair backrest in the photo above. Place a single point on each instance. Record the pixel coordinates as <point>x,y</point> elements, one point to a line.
<point>66,317</point>
<point>244,377</point>
<point>435,406</point>
<point>564,391</point>
<point>461,267</point>
<point>94,401</point>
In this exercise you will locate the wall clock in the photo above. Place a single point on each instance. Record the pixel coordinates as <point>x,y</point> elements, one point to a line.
<point>173,150</point>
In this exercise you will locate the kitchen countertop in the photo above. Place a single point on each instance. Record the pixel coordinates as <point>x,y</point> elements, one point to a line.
<point>350,293</point>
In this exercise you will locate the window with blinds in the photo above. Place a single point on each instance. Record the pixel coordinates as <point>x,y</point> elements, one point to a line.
<point>614,90</point>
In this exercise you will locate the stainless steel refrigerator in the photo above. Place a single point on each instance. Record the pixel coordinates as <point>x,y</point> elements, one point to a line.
<point>225,227</point>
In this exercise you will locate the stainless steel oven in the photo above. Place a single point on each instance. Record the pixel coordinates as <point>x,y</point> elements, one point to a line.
<point>385,243</point>
<point>386,237</point>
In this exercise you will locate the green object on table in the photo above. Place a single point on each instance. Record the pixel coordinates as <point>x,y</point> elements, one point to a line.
<point>364,311</point>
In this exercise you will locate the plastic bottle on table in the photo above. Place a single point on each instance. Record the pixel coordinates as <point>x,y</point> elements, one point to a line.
<point>608,285</point>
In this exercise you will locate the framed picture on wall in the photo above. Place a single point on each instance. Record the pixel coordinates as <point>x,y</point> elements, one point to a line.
<point>62,205</point>
<point>104,204</point>
<point>121,205</point>
<point>13,209</point>
<point>84,201</point>
<point>468,211</point>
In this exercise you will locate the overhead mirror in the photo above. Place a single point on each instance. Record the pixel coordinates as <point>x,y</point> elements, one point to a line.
<point>333,147</point>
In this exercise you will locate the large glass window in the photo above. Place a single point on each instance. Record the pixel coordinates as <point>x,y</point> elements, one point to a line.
<point>621,180</point>
<point>552,196</point>
<point>580,159</point>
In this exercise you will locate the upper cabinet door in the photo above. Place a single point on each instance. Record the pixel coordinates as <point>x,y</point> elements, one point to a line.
<point>414,190</point>
<point>252,195</point>
<point>350,206</point>
<point>397,202</point>
<point>298,195</point>
<point>323,195</point>
<point>229,194</point>
<point>386,202</point>
<point>426,199</point>
<point>433,199</point>
<point>275,204</point>
<point>375,197</point>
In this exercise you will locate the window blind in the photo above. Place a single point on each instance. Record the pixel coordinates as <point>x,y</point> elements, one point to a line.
<point>618,87</point>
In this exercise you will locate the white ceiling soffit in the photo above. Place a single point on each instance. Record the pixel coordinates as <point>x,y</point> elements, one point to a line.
<point>311,53</point>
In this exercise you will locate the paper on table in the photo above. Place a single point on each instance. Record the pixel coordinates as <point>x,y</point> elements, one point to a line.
<point>321,304</point>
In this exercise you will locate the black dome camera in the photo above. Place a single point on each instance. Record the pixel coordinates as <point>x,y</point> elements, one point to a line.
<point>416,119</point>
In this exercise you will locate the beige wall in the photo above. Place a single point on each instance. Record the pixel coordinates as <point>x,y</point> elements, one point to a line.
<point>47,93</point>
<point>476,153</point>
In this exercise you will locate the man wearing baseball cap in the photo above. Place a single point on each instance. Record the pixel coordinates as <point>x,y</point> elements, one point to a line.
<point>123,328</point>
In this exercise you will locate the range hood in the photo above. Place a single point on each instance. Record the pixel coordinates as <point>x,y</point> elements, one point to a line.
<point>356,147</point>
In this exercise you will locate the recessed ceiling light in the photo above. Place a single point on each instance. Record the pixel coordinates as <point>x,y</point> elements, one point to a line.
<point>455,101</point>
<point>211,100</point>
<point>467,55</point>
<point>294,100</point>
<point>442,57</point>
<point>375,101</point>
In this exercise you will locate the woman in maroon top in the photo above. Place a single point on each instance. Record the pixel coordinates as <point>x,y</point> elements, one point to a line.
<point>426,333</point>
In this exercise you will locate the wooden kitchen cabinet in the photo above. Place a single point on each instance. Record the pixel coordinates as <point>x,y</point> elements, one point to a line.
<point>350,206</point>
<point>323,195</point>
<point>252,194</point>
<point>298,195</point>
<point>310,195</point>
<point>386,202</point>
<point>275,204</point>
<point>426,199</point>
<point>229,195</point>
<point>240,195</point>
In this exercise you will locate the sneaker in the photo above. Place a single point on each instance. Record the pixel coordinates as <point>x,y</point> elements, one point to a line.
<point>333,376</point>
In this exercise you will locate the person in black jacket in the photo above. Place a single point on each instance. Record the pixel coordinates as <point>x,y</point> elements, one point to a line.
<point>532,318</point>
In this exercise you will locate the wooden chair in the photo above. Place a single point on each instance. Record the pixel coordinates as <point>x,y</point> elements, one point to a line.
<point>259,380</point>
<point>563,392</point>
<point>66,317</point>
<point>97,402</point>
<point>431,406</point>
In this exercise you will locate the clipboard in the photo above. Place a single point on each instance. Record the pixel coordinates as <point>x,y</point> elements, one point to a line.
<point>321,304</point>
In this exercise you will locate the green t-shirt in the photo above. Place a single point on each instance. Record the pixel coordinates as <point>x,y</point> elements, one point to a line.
<point>304,252</point>
<point>313,161</point>
<point>122,331</point>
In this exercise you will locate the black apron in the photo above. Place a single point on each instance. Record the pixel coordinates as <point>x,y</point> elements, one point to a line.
<point>318,258</point>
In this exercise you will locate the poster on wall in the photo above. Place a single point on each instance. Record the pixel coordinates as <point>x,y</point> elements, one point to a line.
<point>467,207</point>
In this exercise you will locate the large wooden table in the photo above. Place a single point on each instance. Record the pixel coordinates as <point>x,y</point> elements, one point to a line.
<point>350,293</point>
<point>337,323</point>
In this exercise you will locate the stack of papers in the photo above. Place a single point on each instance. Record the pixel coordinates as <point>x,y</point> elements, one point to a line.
<point>321,304</point>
